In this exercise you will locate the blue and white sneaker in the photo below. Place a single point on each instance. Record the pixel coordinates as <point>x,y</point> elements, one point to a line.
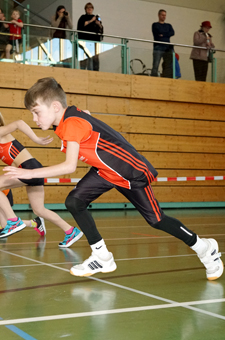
<point>71,238</point>
<point>12,228</point>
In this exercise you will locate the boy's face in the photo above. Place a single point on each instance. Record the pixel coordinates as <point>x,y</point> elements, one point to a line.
<point>15,15</point>
<point>46,116</point>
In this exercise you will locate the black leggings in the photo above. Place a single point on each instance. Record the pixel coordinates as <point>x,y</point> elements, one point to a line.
<point>92,186</point>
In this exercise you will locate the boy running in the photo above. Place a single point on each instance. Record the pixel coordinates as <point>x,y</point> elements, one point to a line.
<point>115,164</point>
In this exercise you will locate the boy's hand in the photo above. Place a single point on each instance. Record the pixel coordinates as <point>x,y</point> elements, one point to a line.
<point>14,172</point>
<point>44,140</point>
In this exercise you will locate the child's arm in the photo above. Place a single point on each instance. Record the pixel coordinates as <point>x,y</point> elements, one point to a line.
<point>23,127</point>
<point>67,167</point>
<point>18,23</point>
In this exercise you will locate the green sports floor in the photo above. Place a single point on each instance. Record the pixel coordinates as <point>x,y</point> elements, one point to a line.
<point>159,290</point>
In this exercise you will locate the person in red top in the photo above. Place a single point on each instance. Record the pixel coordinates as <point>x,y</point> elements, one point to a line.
<point>15,33</point>
<point>115,163</point>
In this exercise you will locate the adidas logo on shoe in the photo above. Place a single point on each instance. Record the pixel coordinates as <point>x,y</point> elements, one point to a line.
<point>94,265</point>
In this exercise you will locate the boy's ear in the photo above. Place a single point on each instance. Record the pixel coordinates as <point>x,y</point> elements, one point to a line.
<point>56,105</point>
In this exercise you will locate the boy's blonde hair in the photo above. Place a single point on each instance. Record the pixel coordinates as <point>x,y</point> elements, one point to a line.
<point>2,122</point>
<point>46,90</point>
<point>16,10</point>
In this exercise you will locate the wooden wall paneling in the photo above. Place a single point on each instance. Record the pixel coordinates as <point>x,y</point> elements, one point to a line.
<point>113,105</point>
<point>189,194</point>
<point>186,160</point>
<point>170,90</point>
<point>164,126</point>
<point>12,98</point>
<point>78,100</point>
<point>109,84</point>
<point>177,143</point>
<point>58,194</point>
<point>8,78</point>
<point>121,106</point>
<point>165,108</point>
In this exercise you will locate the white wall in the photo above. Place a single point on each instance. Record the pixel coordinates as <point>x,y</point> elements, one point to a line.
<point>207,5</point>
<point>132,18</point>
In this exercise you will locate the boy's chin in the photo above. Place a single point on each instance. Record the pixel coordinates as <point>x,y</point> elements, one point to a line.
<point>45,128</point>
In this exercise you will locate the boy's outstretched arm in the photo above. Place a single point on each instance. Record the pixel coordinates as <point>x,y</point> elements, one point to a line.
<point>67,167</point>
<point>26,129</point>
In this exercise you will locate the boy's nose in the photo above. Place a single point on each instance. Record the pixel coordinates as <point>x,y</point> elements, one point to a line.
<point>34,118</point>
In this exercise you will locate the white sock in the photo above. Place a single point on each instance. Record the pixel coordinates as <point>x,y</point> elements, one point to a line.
<point>101,250</point>
<point>200,246</point>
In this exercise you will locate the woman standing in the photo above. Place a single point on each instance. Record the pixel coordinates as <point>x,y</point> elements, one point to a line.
<point>61,19</point>
<point>202,38</point>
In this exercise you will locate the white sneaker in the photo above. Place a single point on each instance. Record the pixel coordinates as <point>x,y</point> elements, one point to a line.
<point>94,265</point>
<point>211,260</point>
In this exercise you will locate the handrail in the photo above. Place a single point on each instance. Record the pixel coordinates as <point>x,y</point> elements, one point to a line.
<point>118,37</point>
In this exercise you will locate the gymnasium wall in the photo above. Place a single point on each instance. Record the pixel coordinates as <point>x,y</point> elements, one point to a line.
<point>179,126</point>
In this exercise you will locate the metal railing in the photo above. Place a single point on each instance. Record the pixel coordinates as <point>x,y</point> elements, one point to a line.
<point>117,51</point>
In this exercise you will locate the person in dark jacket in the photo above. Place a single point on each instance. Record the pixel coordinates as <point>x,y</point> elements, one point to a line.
<point>89,22</point>
<point>162,33</point>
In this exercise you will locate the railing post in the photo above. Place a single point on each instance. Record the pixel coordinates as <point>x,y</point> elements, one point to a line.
<point>27,14</point>
<point>174,66</point>
<point>6,11</point>
<point>24,48</point>
<point>214,70</point>
<point>75,50</point>
<point>124,55</point>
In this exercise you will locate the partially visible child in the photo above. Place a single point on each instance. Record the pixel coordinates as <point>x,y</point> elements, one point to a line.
<point>15,29</point>
<point>115,163</point>
<point>13,153</point>
<point>37,223</point>
<point>177,66</point>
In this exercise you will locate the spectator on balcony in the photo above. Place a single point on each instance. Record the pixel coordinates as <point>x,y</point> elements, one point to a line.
<point>61,19</point>
<point>4,34</point>
<point>162,32</point>
<point>15,28</point>
<point>199,56</point>
<point>89,22</point>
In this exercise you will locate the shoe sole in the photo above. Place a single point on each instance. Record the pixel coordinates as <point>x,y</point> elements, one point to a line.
<point>90,274</point>
<point>218,276</point>
<point>14,231</point>
<point>75,239</point>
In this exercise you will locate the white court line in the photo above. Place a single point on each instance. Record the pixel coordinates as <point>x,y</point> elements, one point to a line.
<point>115,311</point>
<point>171,302</point>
